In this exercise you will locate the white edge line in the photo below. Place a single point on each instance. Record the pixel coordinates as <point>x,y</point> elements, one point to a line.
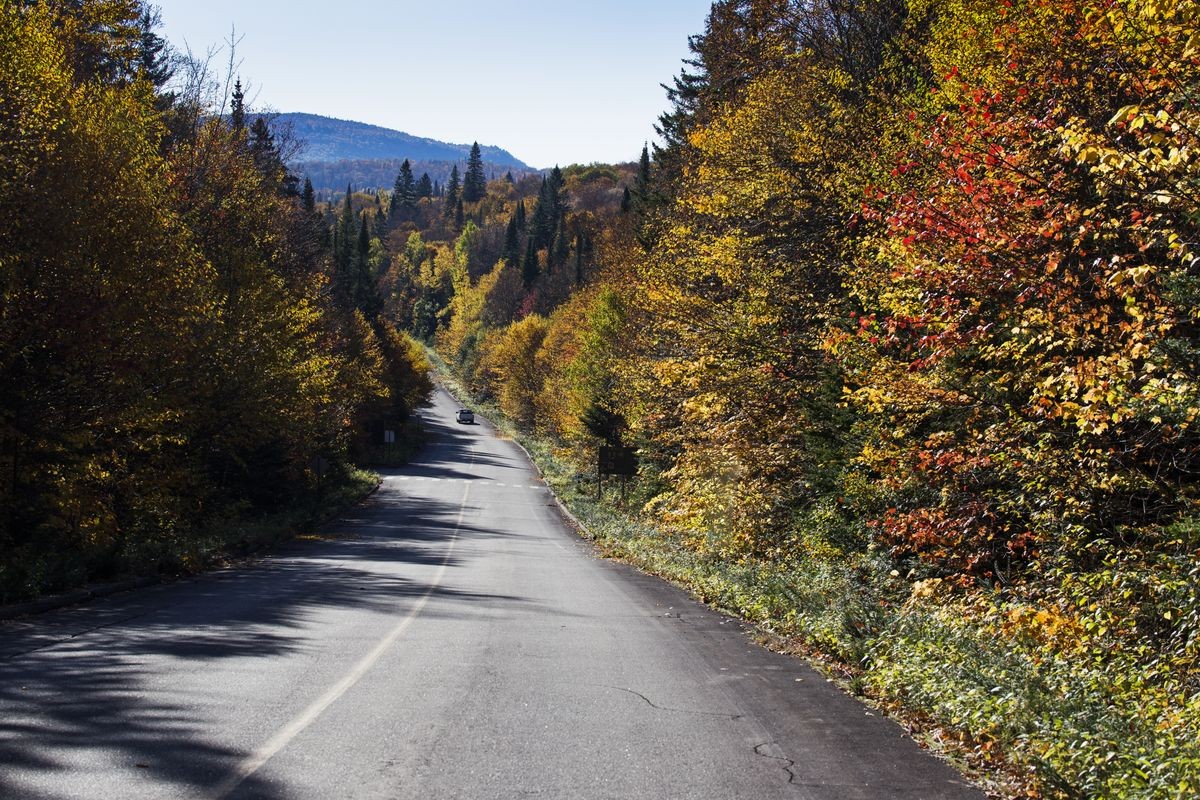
<point>264,753</point>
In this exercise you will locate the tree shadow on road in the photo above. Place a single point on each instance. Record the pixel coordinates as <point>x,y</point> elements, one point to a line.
<point>85,686</point>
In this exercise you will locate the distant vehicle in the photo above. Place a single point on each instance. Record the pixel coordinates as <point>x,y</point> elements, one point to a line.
<point>466,416</point>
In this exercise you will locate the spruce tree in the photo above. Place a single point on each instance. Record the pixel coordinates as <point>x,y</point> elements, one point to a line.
<point>550,208</point>
<point>459,218</point>
<point>558,196</point>
<point>237,111</point>
<point>562,245</point>
<point>529,267</point>
<point>404,194</point>
<point>366,292</point>
<point>474,183</point>
<point>424,186</point>
<point>512,240</point>
<point>308,197</point>
<point>262,146</point>
<point>520,216</point>
<point>626,201</point>
<point>154,58</point>
<point>641,182</point>
<point>451,194</point>
<point>343,254</point>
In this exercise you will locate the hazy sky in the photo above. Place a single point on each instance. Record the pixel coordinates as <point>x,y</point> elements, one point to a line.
<point>552,82</point>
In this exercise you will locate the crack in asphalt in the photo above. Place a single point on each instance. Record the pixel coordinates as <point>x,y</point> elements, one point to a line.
<point>787,762</point>
<point>656,706</point>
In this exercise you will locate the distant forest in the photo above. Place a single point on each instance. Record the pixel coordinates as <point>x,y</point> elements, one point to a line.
<point>381,173</point>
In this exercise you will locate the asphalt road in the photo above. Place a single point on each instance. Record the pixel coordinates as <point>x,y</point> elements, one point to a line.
<point>452,638</point>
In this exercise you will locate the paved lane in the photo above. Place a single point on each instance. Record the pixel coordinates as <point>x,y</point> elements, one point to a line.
<point>454,640</point>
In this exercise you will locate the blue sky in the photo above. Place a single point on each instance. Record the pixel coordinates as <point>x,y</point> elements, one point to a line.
<point>552,82</point>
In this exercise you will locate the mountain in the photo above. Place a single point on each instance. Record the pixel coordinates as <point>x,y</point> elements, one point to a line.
<point>330,140</point>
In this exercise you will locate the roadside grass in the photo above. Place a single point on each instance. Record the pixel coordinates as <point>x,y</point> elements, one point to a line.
<point>1050,689</point>
<point>170,552</point>
<point>239,536</point>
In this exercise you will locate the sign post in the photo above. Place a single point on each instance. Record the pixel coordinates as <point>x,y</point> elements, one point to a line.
<point>615,460</point>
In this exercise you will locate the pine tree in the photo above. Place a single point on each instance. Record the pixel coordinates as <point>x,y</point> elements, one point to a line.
<point>641,182</point>
<point>154,58</point>
<point>508,176</point>
<point>343,254</point>
<point>262,146</point>
<point>404,194</point>
<point>562,245</point>
<point>626,201</point>
<point>474,183</point>
<point>381,225</point>
<point>550,208</point>
<point>520,216</point>
<point>558,197</point>
<point>237,111</point>
<point>529,267</point>
<point>268,161</point>
<point>512,240</point>
<point>366,290</point>
<point>308,197</point>
<point>452,193</point>
<point>459,217</point>
<point>424,186</point>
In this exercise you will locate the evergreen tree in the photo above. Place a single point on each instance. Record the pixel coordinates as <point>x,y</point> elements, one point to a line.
<point>557,195</point>
<point>361,266</point>
<point>508,176</point>
<point>626,201</point>
<point>550,208</point>
<point>459,218</point>
<point>450,209</point>
<point>237,110</point>
<point>529,267</point>
<point>424,186</point>
<point>262,146</point>
<point>404,194</point>
<point>519,216</point>
<point>474,182</point>
<point>154,58</point>
<point>268,161</point>
<point>308,197</point>
<point>343,254</point>
<point>562,245</point>
<point>641,181</point>
<point>512,240</point>
<point>381,225</point>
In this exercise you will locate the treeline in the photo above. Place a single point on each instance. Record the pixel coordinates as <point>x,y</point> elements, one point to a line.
<point>379,173</point>
<point>173,358</point>
<point>901,318</point>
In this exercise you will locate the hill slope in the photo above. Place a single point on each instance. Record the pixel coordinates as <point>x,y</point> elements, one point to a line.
<point>330,140</point>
